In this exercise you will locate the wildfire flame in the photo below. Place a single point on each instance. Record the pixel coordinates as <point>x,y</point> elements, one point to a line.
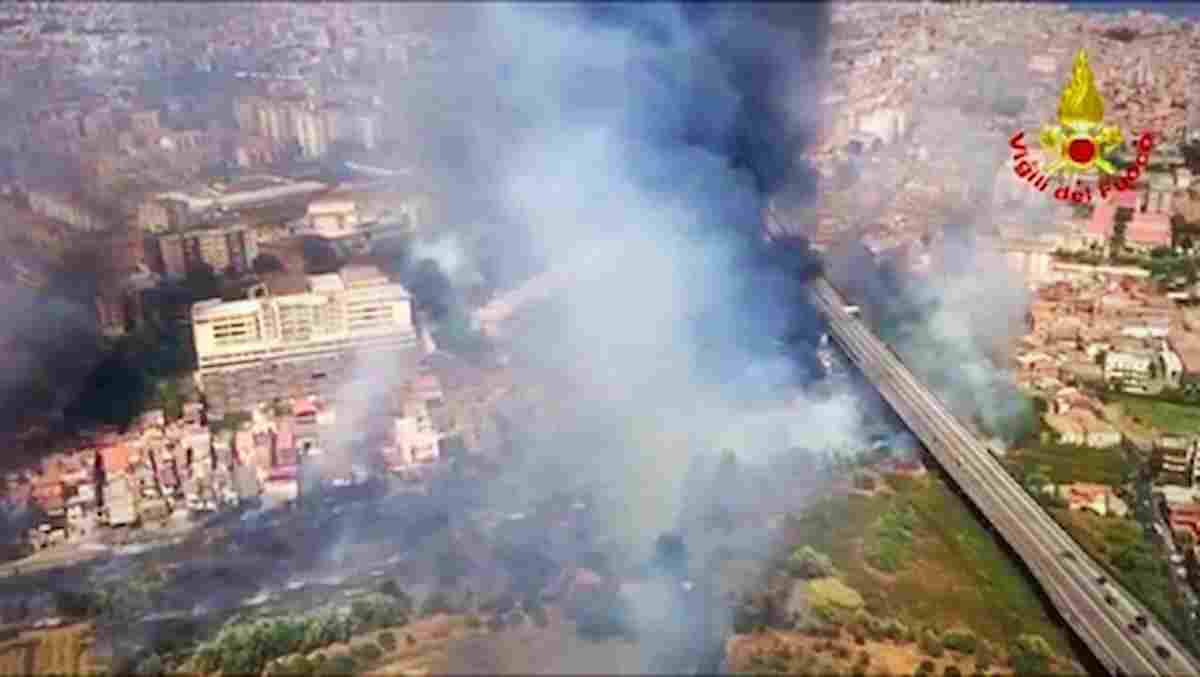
<point>1081,103</point>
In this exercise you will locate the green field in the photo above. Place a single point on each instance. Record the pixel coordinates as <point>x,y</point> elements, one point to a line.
<point>952,573</point>
<point>1065,463</point>
<point>1168,417</point>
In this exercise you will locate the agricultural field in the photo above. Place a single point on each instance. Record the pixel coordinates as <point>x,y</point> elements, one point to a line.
<point>16,658</point>
<point>1067,463</point>
<point>1163,416</point>
<point>61,651</point>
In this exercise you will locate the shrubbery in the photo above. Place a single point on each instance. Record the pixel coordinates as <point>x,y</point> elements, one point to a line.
<point>890,539</point>
<point>1031,655</point>
<point>931,644</point>
<point>367,653</point>
<point>959,640</point>
<point>246,648</point>
<point>806,563</point>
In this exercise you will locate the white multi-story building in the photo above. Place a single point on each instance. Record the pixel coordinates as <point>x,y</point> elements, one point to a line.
<point>1130,371</point>
<point>289,345</point>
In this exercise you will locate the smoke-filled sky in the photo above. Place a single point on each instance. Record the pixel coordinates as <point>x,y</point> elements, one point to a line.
<point>645,139</point>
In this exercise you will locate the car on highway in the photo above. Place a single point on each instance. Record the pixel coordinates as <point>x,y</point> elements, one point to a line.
<point>1141,621</point>
<point>1110,599</point>
<point>1162,652</point>
<point>1101,580</point>
<point>1135,628</point>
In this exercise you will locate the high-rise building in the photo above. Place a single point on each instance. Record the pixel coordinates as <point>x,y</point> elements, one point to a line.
<point>298,342</point>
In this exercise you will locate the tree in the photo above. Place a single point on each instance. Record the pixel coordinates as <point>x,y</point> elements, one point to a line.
<point>931,644</point>
<point>435,603</point>
<point>267,263</point>
<point>1177,229</point>
<point>202,282</point>
<point>1120,224</point>
<point>1031,655</point>
<point>341,664</point>
<point>151,665</point>
<point>806,562</point>
<point>393,590</point>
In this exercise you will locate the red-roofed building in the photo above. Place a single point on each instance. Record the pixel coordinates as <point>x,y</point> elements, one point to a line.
<point>1100,225</point>
<point>285,438</point>
<point>243,444</point>
<point>428,387</point>
<point>304,407</point>
<point>48,494</point>
<point>284,472</point>
<point>1184,517</point>
<point>1144,229</point>
<point>1149,230</point>
<point>116,459</point>
<point>1127,198</point>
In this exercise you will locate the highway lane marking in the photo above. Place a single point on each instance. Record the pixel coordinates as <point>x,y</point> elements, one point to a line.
<point>896,378</point>
<point>948,422</point>
<point>871,346</point>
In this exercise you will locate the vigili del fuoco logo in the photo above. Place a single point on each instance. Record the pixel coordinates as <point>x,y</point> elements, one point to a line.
<point>1079,144</point>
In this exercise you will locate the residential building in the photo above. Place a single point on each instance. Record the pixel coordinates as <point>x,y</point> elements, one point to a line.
<point>1128,370</point>
<point>1172,366</point>
<point>119,503</point>
<point>68,208</point>
<point>222,247</point>
<point>1095,498</point>
<point>198,205</point>
<point>1082,427</point>
<point>1172,459</point>
<point>416,438</point>
<point>333,217</point>
<point>297,343</point>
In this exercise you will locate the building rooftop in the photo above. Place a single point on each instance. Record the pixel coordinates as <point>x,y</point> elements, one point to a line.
<point>356,275</point>
<point>283,284</point>
<point>327,283</point>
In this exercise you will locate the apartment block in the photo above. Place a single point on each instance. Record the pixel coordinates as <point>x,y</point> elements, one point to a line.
<point>226,246</point>
<point>1128,370</point>
<point>291,341</point>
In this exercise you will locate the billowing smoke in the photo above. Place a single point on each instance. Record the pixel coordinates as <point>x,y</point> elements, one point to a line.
<point>955,320</point>
<point>645,138</point>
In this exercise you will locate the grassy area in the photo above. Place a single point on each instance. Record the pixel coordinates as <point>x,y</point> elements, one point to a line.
<point>1128,553</point>
<point>958,575</point>
<point>1062,463</point>
<point>1167,417</point>
<point>889,543</point>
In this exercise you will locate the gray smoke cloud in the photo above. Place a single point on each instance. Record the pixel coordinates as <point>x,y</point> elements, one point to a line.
<point>645,141</point>
<point>625,135</point>
<point>954,324</point>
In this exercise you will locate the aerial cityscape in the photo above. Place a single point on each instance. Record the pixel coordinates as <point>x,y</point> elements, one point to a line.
<point>845,338</point>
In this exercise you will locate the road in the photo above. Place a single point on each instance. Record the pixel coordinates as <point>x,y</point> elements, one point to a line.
<point>1100,613</point>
